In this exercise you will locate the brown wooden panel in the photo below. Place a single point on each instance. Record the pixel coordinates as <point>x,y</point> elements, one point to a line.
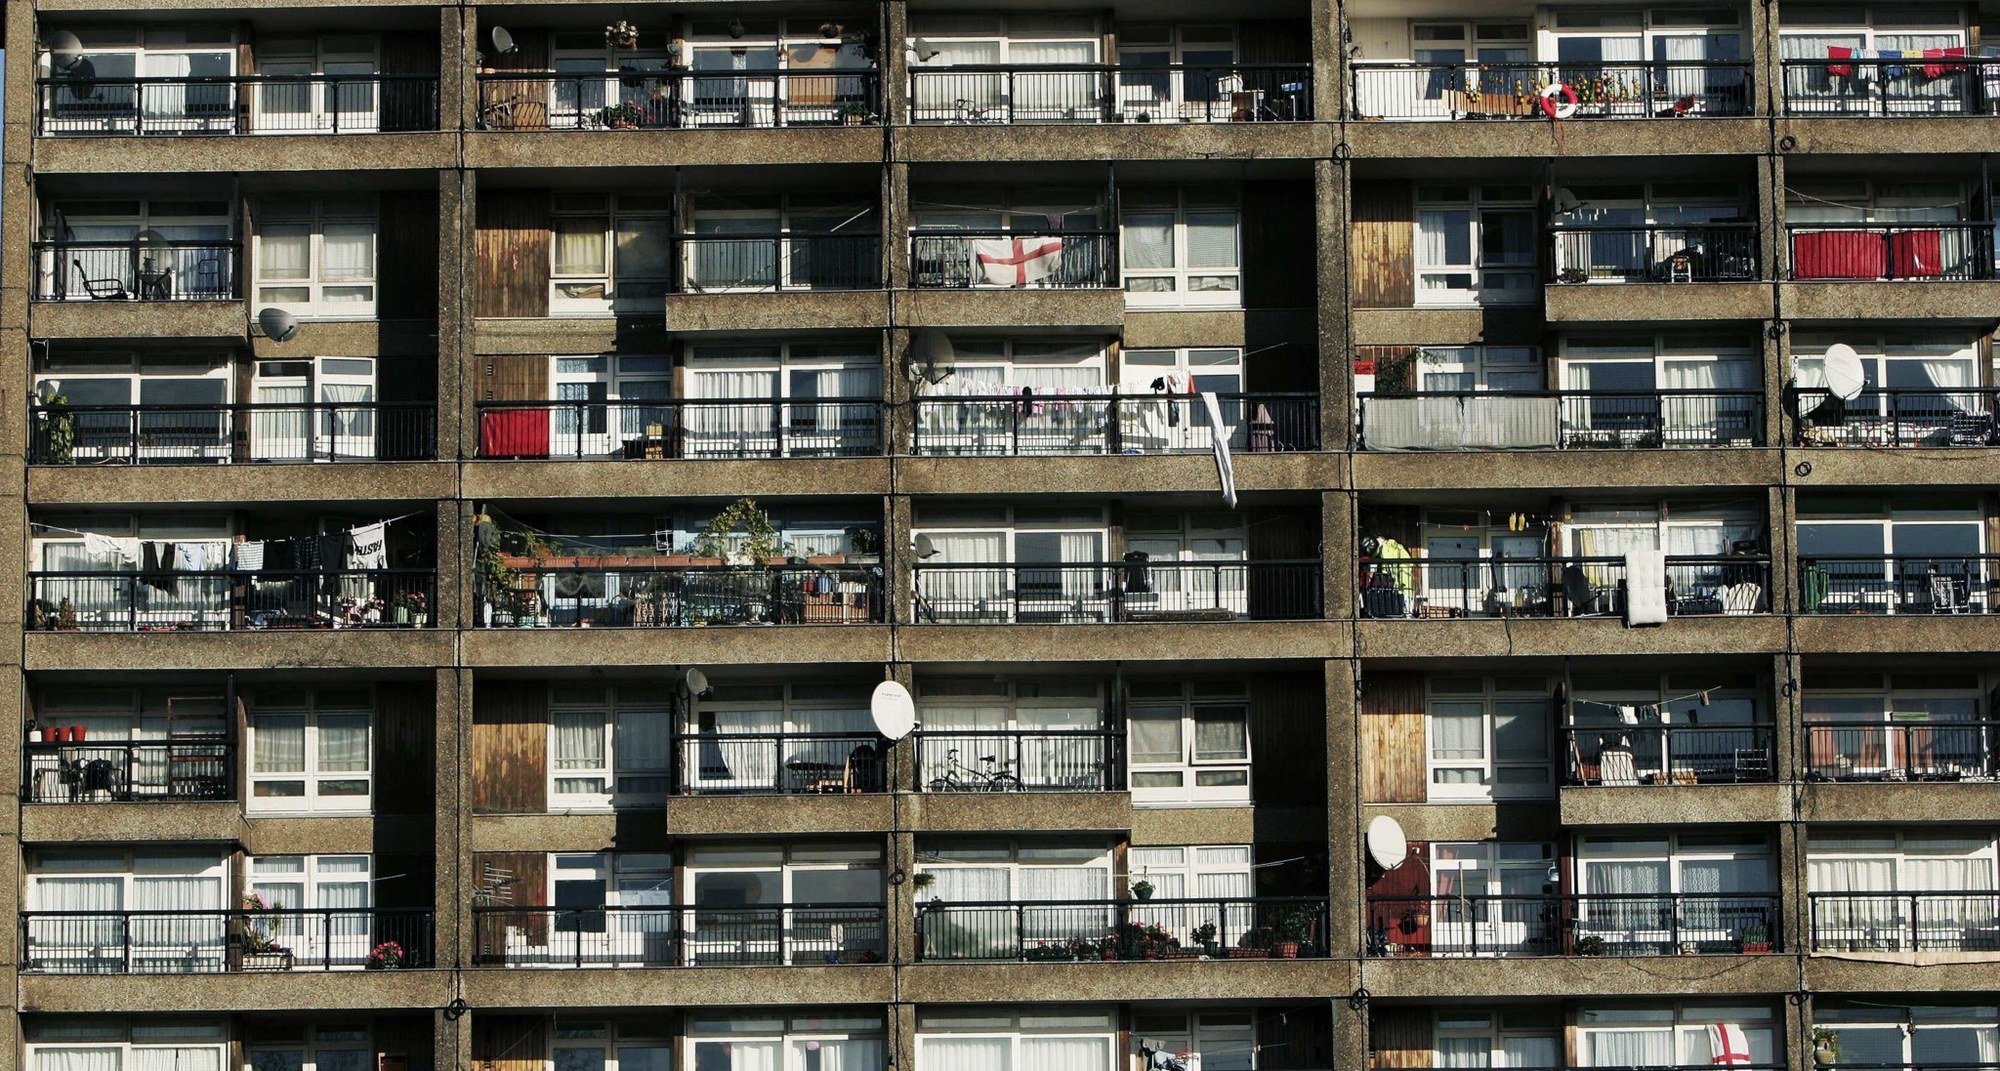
<point>405,714</point>
<point>511,248</point>
<point>1381,245</point>
<point>1399,1038</point>
<point>517,103</point>
<point>510,749</point>
<point>510,1042</point>
<point>407,270</point>
<point>509,879</point>
<point>513,378</point>
<point>1392,738</point>
<point>1287,711</point>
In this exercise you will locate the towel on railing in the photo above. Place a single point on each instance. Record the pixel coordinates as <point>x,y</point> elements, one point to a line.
<point>1645,588</point>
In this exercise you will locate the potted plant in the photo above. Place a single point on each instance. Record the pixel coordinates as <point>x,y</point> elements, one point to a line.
<point>923,879</point>
<point>387,956</point>
<point>34,731</point>
<point>1255,944</point>
<point>621,34</point>
<point>1204,935</point>
<point>1142,889</point>
<point>1290,929</point>
<point>412,609</point>
<point>260,951</point>
<point>1755,939</point>
<point>741,534</point>
<point>1589,945</point>
<point>1825,1046</point>
<point>1573,275</point>
<point>853,113</point>
<point>864,545</point>
<point>58,431</point>
<point>623,115</point>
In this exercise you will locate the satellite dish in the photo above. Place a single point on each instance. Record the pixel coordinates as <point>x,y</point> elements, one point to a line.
<point>65,50</point>
<point>83,79</point>
<point>695,681</point>
<point>925,546</point>
<point>1845,377</point>
<point>503,42</point>
<point>153,242</point>
<point>1565,201</point>
<point>278,325</point>
<point>931,356</point>
<point>894,711</point>
<point>1387,846</point>
<point>924,50</point>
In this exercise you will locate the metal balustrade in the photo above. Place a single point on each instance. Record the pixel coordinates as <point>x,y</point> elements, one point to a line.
<point>1560,420</point>
<point>737,263</point>
<point>241,104</point>
<point>221,601</point>
<point>1111,93</point>
<point>1909,88</point>
<point>1899,584</point>
<point>680,99</point>
<point>1903,750</point>
<point>682,428</point>
<point>1585,924</point>
<point>213,942</point>
<point>985,260</point>
<point>1634,89</point>
<point>780,763</point>
<point>1057,422</point>
<point>168,270</point>
<point>1942,921</point>
<point>751,935</point>
<point>179,770</point>
<point>1895,416</point>
<point>221,434</point>
<point>1135,590</point>
<point>1447,588</point>
<point>1155,929</point>
<point>1654,253</point>
<point>1657,753</point>
<point>1021,760</point>
<point>1872,252</point>
<point>557,595</point>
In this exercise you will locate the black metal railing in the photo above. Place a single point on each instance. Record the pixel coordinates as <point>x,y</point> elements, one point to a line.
<point>1899,584</point>
<point>1654,253</point>
<point>240,104</point>
<point>1589,924</point>
<point>1560,419</point>
<point>1654,753</point>
<point>1033,422</point>
<point>219,434</point>
<point>1021,760</point>
<point>137,271</point>
<point>217,601</point>
<point>129,771</point>
<point>1891,251</point>
<point>1057,260</point>
<point>674,596</point>
<point>1137,590</point>
<point>212,942</point>
<point>1635,89</point>
<point>1902,750</point>
<point>767,935</point>
<point>781,763</point>
<point>1960,85</point>
<point>1905,416</point>
<point>1440,588</point>
<point>709,263</point>
<point>692,428</point>
<point>656,100</point>
<point>1943,921</point>
<point>1062,930</point>
<point>1108,93</point>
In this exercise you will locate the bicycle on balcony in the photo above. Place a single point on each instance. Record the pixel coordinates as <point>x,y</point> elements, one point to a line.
<point>991,775</point>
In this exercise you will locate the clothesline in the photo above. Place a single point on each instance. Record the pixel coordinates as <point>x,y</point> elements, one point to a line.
<point>100,535</point>
<point>1702,694</point>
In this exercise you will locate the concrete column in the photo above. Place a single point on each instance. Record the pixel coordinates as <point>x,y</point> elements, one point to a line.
<point>1336,364</point>
<point>1787,722</point>
<point>894,59</point>
<point>1337,561</point>
<point>1329,60</point>
<point>896,558</point>
<point>1343,818</point>
<point>903,1036</point>
<point>1777,374</point>
<point>451,1041</point>
<point>458,90</point>
<point>1766,94</point>
<point>17,232</point>
<point>452,828</point>
<point>1783,505</point>
<point>896,225</point>
<point>457,421</point>
<point>1350,1036</point>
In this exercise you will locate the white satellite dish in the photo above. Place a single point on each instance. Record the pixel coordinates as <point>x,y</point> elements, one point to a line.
<point>931,356</point>
<point>1845,377</point>
<point>65,49</point>
<point>894,711</point>
<point>503,42</point>
<point>278,325</point>
<point>924,546</point>
<point>153,242</point>
<point>1565,201</point>
<point>1386,845</point>
<point>925,51</point>
<point>695,681</point>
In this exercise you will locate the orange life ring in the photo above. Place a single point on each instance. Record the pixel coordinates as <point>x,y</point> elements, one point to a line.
<point>1554,110</point>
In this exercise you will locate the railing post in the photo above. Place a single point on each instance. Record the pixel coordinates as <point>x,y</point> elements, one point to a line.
<point>326,939</point>
<point>1020,913</point>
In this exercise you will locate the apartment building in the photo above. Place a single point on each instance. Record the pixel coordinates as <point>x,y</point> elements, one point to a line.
<point>1418,536</point>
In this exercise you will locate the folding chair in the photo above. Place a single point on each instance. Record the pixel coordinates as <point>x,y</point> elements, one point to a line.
<point>111,289</point>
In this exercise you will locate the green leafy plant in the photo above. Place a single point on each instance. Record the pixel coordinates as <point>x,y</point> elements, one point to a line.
<point>622,114</point>
<point>853,113</point>
<point>1143,940</point>
<point>741,530</point>
<point>1142,889</point>
<point>1204,935</point>
<point>58,431</point>
<point>1589,945</point>
<point>1825,1046</point>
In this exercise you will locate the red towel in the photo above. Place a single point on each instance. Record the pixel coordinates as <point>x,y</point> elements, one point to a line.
<point>514,433</point>
<point>1936,70</point>
<point>1839,53</point>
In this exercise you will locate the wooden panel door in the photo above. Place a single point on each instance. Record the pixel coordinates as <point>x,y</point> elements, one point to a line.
<point>1392,738</point>
<point>511,251</point>
<point>1382,245</point>
<point>510,748</point>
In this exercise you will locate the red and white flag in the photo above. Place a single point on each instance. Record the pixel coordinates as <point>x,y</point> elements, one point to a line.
<point>1730,1045</point>
<point>1016,261</point>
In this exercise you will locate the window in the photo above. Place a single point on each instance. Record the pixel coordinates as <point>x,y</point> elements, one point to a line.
<point>311,105</point>
<point>1182,247</point>
<point>1188,743</point>
<point>1865,554</point>
<point>288,430</point>
<point>1065,543</point>
<point>201,541</point>
<point>600,909</point>
<point>1047,1038</point>
<point>315,257</point>
<point>100,385</point>
<point>612,253</point>
<point>1640,233</point>
<point>1921,379</point>
<point>1226,1040</point>
<point>608,745</point>
<point>737,60</point>
<point>1513,1038</point>
<point>310,750</point>
<point>1020,39</point>
<point>1048,733</point>
<point>1176,546</point>
<point>1852,878</point>
<point>594,424</point>
<point>1200,92</point>
<point>98,234</point>
<point>1679,727</point>
<point>582,1045</point>
<point>971,870</point>
<point>1669,1035</point>
<point>781,738</point>
<point>753,375</point>
<point>103,883</point>
<point>1872,726</point>
<point>182,745</point>
<point>1489,738</point>
<point>1463,875</point>
<point>1682,41</point>
<point>1475,245</point>
<point>777,1043</point>
<point>196,98</point>
<point>1194,887</point>
<point>321,905</point>
<point>1917,1036</point>
<point>825,898</point>
<point>1811,33</point>
<point>312,1048</point>
<point>782,242</point>
<point>74,1043</point>
<point>942,258</point>
<point>1479,368</point>
<point>1659,390</point>
<point>591,74</point>
<point>1704,891</point>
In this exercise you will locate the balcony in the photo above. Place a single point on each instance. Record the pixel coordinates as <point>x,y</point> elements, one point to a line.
<point>998,260</point>
<point>1905,921</point>
<point>1899,584</point>
<point>226,434</point>
<point>1589,924</point>
<point>1053,423</point>
<point>771,935</point>
<point>1629,90</point>
<point>1560,420</point>
<point>1666,754</point>
<point>683,100</point>
<point>1878,417</point>
<point>1889,252</point>
<point>1452,588</point>
<point>213,942</point>
<point>1112,93</point>
<point>217,601</point>
<point>137,271</point>
<point>779,763</point>
<point>1023,760</point>
<point>765,263</point>
<point>1906,88</point>
<point>242,104</point>
<point>1655,253</point>
<point>672,591</point>
<point>181,770</point>
<point>682,428</point>
<point>1917,750</point>
<point>1066,930</point>
<point>1047,593</point>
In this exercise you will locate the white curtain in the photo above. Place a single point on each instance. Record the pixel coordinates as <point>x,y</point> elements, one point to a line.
<point>1529,1052</point>
<point>936,92</point>
<point>969,591</point>
<point>1464,1052</point>
<point>1065,1054</point>
<point>175,1058</point>
<point>1625,878</point>
<point>75,894</point>
<point>343,742</point>
<point>1851,875</point>
<point>1148,239</point>
<point>1701,417</point>
<point>749,763</point>
<point>851,1054</point>
<point>1065,883</point>
<point>351,420</point>
<point>1055,94</point>
<point>960,1054</point>
<point>753,1056</point>
<point>284,251</point>
<point>1856,921</point>
<point>1443,238</point>
<point>347,251</point>
<point>970,884</point>
<point>280,744</point>
<point>579,745</point>
<point>579,246</point>
<point>1630,1048</point>
<point>730,423</point>
<point>91,1059</point>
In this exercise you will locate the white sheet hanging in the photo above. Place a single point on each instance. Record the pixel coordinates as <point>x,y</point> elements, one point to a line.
<point>1224,469</point>
<point>1645,588</point>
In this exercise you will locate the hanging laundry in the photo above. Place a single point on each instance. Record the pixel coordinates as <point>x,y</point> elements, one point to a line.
<point>1893,70</point>
<point>247,556</point>
<point>332,550</point>
<point>305,554</point>
<point>367,548</point>
<point>192,557</point>
<point>1839,70</point>
<point>158,566</point>
<point>1938,70</point>
<point>1225,469</point>
<point>103,547</point>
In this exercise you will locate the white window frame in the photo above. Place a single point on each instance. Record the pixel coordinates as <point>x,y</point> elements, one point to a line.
<point>1491,785</point>
<point>1226,1039</point>
<point>1897,699</point>
<point>342,938</point>
<point>627,786</point>
<point>1194,537</point>
<point>316,214</point>
<point>137,371</point>
<point>1686,1024</point>
<point>797,1037</point>
<point>310,705</point>
<point>602,85</point>
<point>310,1045</point>
<point>1510,281</point>
<point>1902,1026</point>
<point>193,947</point>
<point>216,115</point>
<point>1182,284</point>
<point>326,109</point>
<point>188,1045</point>
<point>809,937</point>
<point>1014,870</point>
<point>1015,1028</point>
<point>1194,701</point>
<point>1887,519</point>
<point>1500,1031</point>
<point>612,1044</point>
<point>1076,592</point>
<point>575,931</point>
<point>809,429</point>
<point>791,709</point>
<point>975,705</point>
<point>1181,905</point>
<point>570,293</point>
<point>1482,364</point>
